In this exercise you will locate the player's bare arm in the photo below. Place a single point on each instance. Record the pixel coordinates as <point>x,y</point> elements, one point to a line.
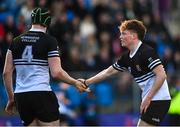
<point>8,82</point>
<point>159,80</point>
<point>58,73</point>
<point>101,75</point>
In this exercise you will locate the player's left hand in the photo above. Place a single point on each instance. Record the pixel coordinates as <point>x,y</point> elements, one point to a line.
<point>145,104</point>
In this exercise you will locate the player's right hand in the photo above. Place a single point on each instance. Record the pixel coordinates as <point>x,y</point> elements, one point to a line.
<point>81,86</point>
<point>10,108</point>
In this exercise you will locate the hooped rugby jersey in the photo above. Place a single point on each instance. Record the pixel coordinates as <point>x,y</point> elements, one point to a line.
<point>30,53</point>
<point>140,65</point>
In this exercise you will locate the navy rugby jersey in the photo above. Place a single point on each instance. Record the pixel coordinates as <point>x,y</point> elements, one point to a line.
<point>140,64</point>
<point>30,53</point>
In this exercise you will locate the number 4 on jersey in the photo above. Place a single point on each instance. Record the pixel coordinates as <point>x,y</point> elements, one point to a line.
<point>27,53</point>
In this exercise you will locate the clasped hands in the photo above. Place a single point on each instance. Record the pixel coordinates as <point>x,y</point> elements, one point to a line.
<point>81,86</point>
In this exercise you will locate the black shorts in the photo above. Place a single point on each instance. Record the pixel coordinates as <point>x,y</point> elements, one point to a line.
<point>42,105</point>
<point>156,112</point>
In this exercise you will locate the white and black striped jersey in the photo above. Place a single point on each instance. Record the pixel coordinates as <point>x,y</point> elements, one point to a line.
<point>140,65</point>
<point>30,53</point>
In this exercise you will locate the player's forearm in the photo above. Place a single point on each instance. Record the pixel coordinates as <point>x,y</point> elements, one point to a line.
<point>7,78</point>
<point>159,80</point>
<point>99,77</point>
<point>64,76</point>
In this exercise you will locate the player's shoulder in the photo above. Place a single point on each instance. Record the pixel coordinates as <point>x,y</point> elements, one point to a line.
<point>146,48</point>
<point>19,36</point>
<point>49,38</point>
<point>124,55</point>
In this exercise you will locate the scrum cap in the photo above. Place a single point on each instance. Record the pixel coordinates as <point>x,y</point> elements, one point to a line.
<point>41,16</point>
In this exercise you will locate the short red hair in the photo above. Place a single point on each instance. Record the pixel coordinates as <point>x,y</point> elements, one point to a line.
<point>134,25</point>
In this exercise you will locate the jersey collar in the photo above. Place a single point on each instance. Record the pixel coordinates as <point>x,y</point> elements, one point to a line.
<point>37,30</point>
<point>139,44</point>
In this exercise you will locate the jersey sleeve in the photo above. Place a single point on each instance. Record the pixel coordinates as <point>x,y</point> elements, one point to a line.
<point>152,59</point>
<point>120,64</point>
<point>53,49</point>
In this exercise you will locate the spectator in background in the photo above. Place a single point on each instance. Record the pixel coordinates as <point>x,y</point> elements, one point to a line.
<point>87,27</point>
<point>67,115</point>
<point>74,63</point>
<point>61,30</point>
<point>43,3</point>
<point>90,50</point>
<point>2,34</point>
<point>103,59</point>
<point>174,111</point>
<point>7,34</point>
<point>176,42</point>
<point>124,84</point>
<point>21,25</point>
<point>26,12</point>
<point>167,61</point>
<point>129,9</point>
<point>142,7</point>
<point>89,110</point>
<point>10,26</point>
<point>5,45</point>
<point>177,61</point>
<point>176,55</point>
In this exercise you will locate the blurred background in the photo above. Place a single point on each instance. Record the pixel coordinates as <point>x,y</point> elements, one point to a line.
<point>88,36</point>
